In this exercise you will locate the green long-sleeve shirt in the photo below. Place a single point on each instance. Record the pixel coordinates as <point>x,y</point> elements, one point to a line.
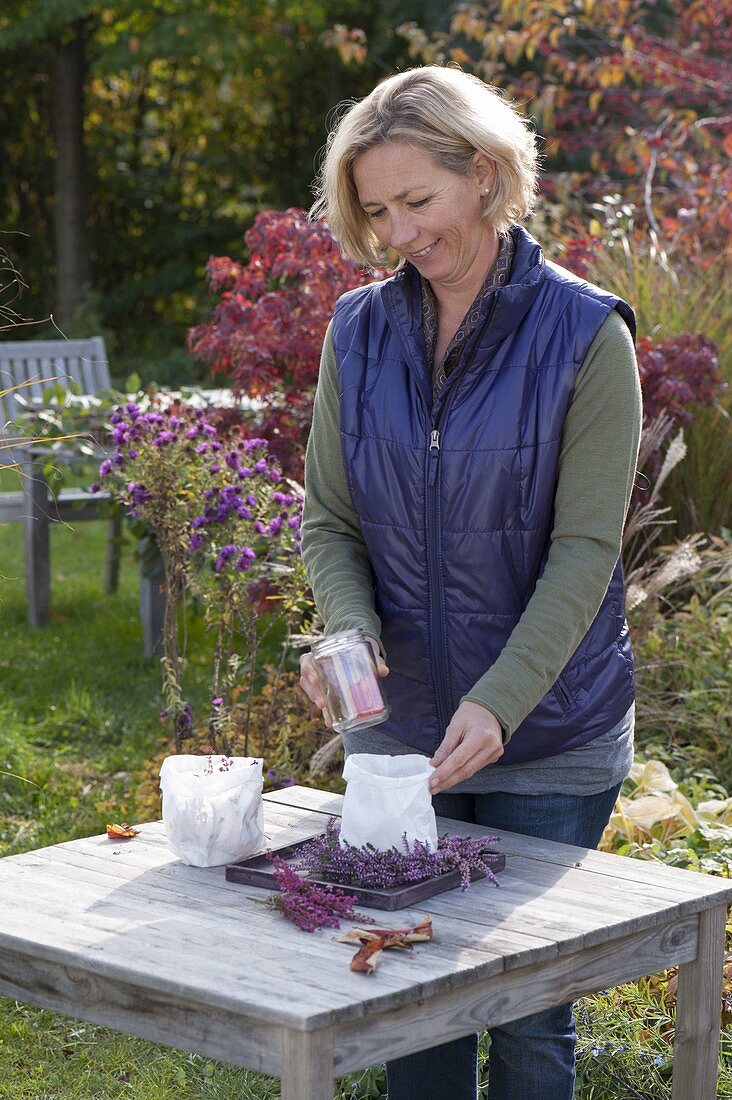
<point>595,478</point>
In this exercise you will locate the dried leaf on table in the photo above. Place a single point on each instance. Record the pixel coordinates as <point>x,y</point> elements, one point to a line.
<point>121,832</point>
<point>374,941</point>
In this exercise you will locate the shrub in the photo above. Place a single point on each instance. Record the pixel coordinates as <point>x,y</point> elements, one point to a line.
<point>268,326</point>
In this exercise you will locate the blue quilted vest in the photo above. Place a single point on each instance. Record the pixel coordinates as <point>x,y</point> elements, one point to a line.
<point>455,497</point>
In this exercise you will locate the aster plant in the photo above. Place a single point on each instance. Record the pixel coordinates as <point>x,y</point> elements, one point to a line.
<point>227,526</point>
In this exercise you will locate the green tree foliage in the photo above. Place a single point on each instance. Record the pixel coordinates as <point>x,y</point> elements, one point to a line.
<point>196,115</point>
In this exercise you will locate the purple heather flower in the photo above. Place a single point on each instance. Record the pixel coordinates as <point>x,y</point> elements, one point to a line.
<point>309,906</point>
<point>105,467</point>
<point>325,856</point>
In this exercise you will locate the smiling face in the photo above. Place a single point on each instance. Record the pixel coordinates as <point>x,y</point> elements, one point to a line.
<point>430,215</point>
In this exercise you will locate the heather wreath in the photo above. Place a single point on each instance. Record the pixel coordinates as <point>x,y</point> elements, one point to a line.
<point>227,526</point>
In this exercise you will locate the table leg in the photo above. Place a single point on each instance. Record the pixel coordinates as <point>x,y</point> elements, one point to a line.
<point>698,1006</point>
<point>113,552</point>
<point>36,545</point>
<point>307,1065</point>
<point>152,606</point>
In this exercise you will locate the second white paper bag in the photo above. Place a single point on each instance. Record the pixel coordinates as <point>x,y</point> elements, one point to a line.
<point>387,797</point>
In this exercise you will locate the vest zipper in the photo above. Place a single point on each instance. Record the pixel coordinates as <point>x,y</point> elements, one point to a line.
<point>438,638</point>
<point>439,648</point>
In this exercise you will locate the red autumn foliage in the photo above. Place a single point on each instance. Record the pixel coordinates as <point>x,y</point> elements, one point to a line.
<point>268,325</point>
<point>678,375</point>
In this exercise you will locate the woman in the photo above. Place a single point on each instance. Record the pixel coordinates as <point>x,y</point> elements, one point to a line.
<point>473,449</point>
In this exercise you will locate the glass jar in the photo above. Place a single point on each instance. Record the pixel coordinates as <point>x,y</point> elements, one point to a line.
<point>346,666</point>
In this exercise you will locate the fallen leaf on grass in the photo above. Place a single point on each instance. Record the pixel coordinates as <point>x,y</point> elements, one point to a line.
<point>374,941</point>
<point>121,832</point>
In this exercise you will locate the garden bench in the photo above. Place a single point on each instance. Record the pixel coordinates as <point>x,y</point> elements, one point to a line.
<point>123,934</point>
<point>28,369</point>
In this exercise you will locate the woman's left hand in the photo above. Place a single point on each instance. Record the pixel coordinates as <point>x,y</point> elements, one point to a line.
<point>473,739</point>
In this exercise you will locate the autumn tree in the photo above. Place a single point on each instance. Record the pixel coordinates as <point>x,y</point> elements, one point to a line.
<point>630,95</point>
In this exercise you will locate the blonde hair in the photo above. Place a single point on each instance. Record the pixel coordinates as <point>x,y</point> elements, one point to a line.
<point>447,113</point>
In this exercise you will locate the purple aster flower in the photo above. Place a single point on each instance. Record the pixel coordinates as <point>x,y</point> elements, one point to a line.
<point>105,467</point>
<point>95,487</point>
<point>192,432</point>
<point>163,438</point>
<point>275,525</point>
<point>217,701</point>
<point>197,540</point>
<point>215,469</point>
<point>202,448</point>
<point>133,453</point>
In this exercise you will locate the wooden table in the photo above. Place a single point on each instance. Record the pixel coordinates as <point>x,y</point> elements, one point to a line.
<point>124,935</point>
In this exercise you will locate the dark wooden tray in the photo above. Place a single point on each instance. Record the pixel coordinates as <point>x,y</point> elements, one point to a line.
<point>257,871</point>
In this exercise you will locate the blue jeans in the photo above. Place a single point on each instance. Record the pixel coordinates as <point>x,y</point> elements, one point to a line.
<point>531,1058</point>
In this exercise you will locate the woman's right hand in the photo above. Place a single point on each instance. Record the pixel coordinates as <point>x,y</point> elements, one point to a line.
<point>310,681</point>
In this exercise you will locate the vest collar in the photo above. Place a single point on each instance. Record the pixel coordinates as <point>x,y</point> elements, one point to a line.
<point>506,306</point>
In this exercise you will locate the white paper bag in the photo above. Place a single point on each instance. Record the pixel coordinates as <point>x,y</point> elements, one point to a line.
<point>212,816</point>
<point>386,797</point>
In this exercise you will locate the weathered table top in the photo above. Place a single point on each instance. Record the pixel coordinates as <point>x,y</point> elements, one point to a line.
<point>123,934</point>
